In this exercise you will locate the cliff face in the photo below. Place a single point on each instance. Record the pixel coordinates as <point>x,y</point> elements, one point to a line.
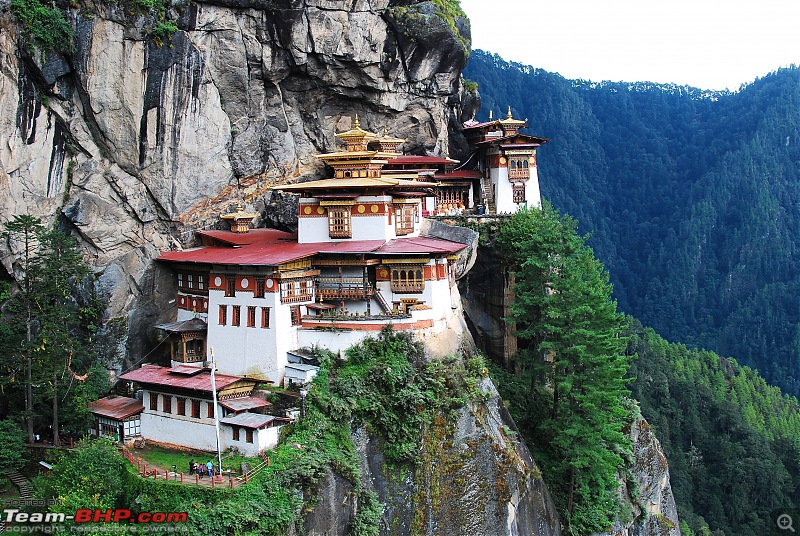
<point>475,478</point>
<point>133,145</point>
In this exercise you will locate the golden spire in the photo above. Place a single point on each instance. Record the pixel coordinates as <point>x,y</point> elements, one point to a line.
<point>356,123</point>
<point>509,113</point>
<point>490,114</point>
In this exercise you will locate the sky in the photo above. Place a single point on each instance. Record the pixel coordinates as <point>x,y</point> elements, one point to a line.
<point>709,44</point>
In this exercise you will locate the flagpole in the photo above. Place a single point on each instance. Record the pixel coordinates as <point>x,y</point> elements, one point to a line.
<point>216,415</point>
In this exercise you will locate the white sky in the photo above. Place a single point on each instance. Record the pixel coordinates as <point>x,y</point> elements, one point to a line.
<point>709,44</point>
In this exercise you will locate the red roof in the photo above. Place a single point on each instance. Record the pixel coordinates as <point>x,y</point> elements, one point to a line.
<point>258,253</point>
<point>272,249</point>
<point>420,244</point>
<point>241,239</point>
<point>118,407</point>
<point>154,375</point>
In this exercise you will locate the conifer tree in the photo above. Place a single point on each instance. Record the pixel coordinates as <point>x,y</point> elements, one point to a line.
<point>569,327</point>
<point>60,309</point>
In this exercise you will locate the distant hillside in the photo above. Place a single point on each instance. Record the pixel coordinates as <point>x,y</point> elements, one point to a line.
<point>732,442</point>
<point>692,199</point>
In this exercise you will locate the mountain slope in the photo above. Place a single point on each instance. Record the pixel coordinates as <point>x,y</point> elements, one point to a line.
<point>691,198</point>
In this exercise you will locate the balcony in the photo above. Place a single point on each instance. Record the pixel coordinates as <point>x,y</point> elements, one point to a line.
<point>343,288</point>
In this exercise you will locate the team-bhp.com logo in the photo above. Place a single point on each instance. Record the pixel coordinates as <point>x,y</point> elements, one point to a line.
<point>87,515</point>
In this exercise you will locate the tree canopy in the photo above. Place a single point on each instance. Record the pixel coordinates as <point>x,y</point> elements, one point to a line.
<point>690,197</point>
<point>572,350</point>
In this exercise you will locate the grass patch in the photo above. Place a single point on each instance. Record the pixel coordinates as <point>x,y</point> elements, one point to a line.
<point>165,458</point>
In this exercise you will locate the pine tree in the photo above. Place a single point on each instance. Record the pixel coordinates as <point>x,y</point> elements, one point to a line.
<point>60,309</point>
<point>569,327</point>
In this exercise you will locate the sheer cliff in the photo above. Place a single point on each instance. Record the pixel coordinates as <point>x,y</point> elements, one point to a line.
<point>133,142</point>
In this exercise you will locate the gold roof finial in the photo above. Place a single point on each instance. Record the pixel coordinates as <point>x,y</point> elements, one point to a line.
<point>509,113</point>
<point>356,123</point>
<point>490,114</point>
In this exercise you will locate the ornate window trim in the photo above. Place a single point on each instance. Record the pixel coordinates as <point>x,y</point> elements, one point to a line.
<point>340,223</point>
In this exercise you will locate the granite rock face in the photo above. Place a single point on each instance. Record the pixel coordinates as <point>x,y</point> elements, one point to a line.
<point>133,144</point>
<point>475,478</point>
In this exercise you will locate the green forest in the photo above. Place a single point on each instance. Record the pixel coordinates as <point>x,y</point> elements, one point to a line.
<point>691,198</point>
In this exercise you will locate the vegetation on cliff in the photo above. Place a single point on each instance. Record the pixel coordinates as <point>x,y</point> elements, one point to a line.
<point>571,355</point>
<point>384,384</point>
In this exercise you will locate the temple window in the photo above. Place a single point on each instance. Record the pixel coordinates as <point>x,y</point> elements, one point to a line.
<point>265,317</point>
<point>404,217</point>
<point>339,222</point>
<point>154,401</point>
<point>519,193</point>
<point>190,281</point>
<point>223,315</point>
<point>235,431</point>
<point>196,409</point>
<point>249,435</point>
<point>181,406</point>
<point>200,282</point>
<point>407,279</point>
<point>251,316</point>
<point>259,293</point>
<point>237,315</point>
<point>167,404</point>
<point>518,168</point>
<point>297,291</point>
<point>296,317</point>
<point>210,410</point>
<point>230,288</point>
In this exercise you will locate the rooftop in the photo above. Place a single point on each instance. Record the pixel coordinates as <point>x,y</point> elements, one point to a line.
<point>273,249</point>
<point>117,407</point>
<point>176,377</point>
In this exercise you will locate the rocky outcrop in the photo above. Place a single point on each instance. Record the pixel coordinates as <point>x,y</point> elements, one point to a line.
<point>486,295</point>
<point>475,478</point>
<point>135,143</point>
<point>648,504</point>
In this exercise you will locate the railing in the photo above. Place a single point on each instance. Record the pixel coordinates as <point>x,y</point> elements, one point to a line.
<point>519,173</point>
<point>343,287</point>
<point>410,287</point>
<point>355,317</point>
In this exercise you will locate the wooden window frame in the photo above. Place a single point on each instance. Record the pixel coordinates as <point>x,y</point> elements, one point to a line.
<point>297,290</point>
<point>259,292</point>
<point>223,315</point>
<point>518,193</point>
<point>405,215</point>
<point>235,433</point>
<point>408,279</point>
<point>195,409</point>
<point>236,317</point>
<point>153,401</point>
<point>248,434</point>
<point>166,404</point>
<point>210,410</point>
<point>181,402</point>
<point>294,311</point>
<point>251,316</point>
<point>340,222</point>
<point>265,317</point>
<point>230,286</point>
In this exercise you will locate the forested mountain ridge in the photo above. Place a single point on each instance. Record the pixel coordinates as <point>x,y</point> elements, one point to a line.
<point>691,198</point>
